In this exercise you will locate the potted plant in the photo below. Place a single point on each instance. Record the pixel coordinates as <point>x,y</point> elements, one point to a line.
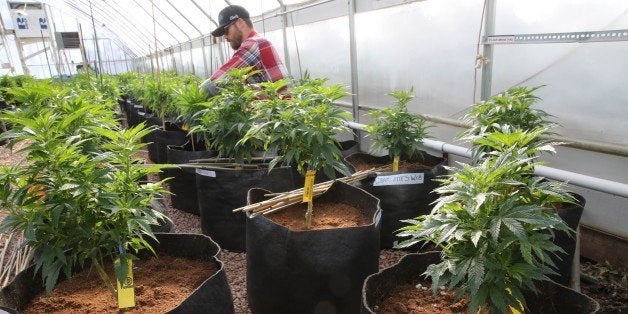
<point>400,283</point>
<point>322,259</point>
<point>136,111</point>
<point>222,183</point>
<point>126,98</point>
<point>77,197</point>
<point>405,191</point>
<point>495,125</point>
<point>193,253</point>
<point>159,97</point>
<point>190,100</point>
<point>494,225</point>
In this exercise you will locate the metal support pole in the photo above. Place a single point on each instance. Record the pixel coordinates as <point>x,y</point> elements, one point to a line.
<point>284,22</point>
<point>56,55</point>
<point>354,66</point>
<point>487,51</point>
<point>96,44</point>
<point>126,61</point>
<point>114,64</point>
<point>5,43</point>
<point>20,52</point>
<point>83,51</point>
<point>43,43</point>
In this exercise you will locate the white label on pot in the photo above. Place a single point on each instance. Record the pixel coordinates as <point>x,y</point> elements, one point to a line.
<point>141,113</point>
<point>399,179</point>
<point>206,173</point>
<point>137,106</point>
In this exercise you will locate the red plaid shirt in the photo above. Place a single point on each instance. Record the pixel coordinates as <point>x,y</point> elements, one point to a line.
<point>258,52</point>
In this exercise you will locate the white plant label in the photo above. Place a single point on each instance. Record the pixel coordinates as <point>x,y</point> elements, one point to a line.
<point>137,106</point>
<point>206,173</point>
<point>399,179</point>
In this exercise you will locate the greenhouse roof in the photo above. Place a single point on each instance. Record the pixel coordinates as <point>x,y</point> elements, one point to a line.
<point>138,26</point>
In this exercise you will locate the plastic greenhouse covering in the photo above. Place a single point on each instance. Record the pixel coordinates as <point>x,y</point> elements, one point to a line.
<point>376,46</point>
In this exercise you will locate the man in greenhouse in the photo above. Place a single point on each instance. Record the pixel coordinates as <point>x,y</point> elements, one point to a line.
<point>251,49</point>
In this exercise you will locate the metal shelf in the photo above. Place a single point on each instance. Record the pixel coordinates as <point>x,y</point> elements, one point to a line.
<point>574,37</point>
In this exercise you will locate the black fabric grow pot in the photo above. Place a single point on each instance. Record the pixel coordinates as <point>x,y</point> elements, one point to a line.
<point>159,139</point>
<point>220,191</point>
<point>213,295</point>
<point>349,147</point>
<point>135,111</point>
<point>183,181</point>
<point>405,194</point>
<point>312,271</point>
<point>553,298</point>
<point>570,213</point>
<point>163,225</point>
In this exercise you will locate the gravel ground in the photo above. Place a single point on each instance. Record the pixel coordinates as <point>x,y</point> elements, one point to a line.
<point>235,263</point>
<point>183,222</point>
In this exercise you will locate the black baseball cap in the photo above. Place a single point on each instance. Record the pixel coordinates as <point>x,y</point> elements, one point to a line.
<point>227,16</point>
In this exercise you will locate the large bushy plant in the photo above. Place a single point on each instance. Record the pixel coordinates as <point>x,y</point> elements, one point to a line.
<point>301,128</point>
<point>77,196</point>
<point>494,224</point>
<point>229,115</point>
<point>494,220</point>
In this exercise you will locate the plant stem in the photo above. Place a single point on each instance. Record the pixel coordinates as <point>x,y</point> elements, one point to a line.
<point>308,214</point>
<point>104,277</point>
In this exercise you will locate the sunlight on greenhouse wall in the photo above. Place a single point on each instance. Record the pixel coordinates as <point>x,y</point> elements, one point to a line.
<point>323,50</point>
<point>425,45</point>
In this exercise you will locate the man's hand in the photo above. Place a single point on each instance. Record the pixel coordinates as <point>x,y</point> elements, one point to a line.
<point>209,88</point>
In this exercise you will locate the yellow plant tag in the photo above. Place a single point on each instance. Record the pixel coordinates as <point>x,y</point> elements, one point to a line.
<point>126,293</point>
<point>185,127</point>
<point>308,187</point>
<point>514,310</point>
<point>395,164</point>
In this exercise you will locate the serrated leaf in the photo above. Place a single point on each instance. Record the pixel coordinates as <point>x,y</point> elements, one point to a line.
<point>475,237</point>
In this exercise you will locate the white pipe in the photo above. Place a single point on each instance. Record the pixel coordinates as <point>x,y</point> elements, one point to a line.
<point>589,182</point>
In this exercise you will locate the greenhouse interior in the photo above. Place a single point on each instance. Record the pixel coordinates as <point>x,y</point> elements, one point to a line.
<point>416,156</point>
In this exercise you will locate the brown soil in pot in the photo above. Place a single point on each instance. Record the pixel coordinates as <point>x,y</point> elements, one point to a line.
<point>325,216</point>
<point>417,298</point>
<point>161,283</point>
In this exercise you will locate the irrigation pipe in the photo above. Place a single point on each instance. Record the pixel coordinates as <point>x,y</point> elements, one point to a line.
<point>589,182</point>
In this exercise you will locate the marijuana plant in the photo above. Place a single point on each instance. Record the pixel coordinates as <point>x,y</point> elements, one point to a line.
<point>494,220</point>
<point>77,197</point>
<point>511,109</point>
<point>396,130</point>
<point>229,116</point>
<point>495,230</point>
<point>301,128</point>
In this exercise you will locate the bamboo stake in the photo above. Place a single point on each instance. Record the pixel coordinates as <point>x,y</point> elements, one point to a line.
<point>285,199</point>
<point>222,160</point>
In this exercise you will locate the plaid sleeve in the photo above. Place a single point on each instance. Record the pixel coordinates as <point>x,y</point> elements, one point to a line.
<point>258,53</point>
<point>245,56</point>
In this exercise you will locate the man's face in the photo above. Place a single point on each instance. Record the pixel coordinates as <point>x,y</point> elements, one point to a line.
<point>233,35</point>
